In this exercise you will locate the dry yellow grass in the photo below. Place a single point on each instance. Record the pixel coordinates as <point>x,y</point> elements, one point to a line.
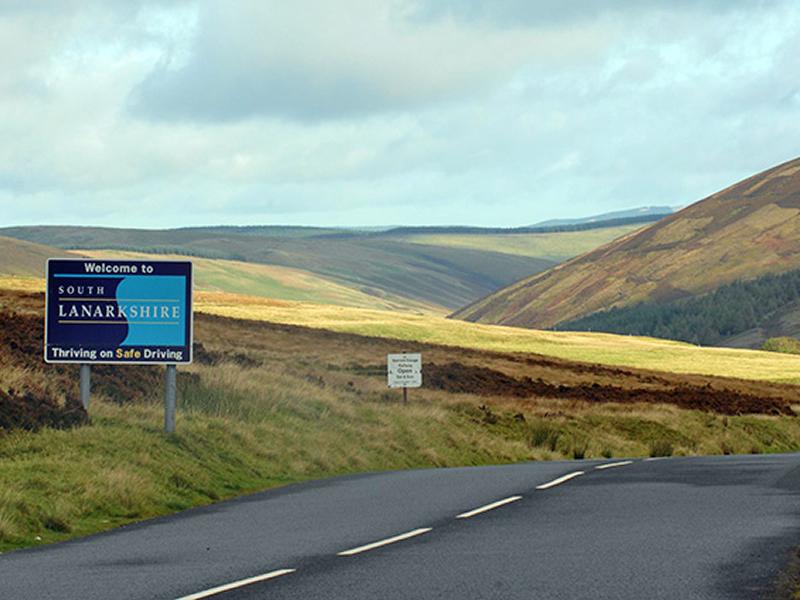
<point>648,353</point>
<point>21,284</point>
<point>631,351</point>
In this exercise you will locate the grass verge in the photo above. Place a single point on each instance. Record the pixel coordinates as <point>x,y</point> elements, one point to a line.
<point>243,429</point>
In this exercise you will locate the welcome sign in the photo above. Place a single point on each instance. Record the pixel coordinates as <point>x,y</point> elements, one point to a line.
<point>118,311</point>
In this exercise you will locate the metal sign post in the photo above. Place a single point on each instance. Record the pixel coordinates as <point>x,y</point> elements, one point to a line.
<point>135,312</point>
<point>170,398</point>
<point>86,385</point>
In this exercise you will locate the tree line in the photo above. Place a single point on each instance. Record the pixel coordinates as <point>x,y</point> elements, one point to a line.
<point>708,319</point>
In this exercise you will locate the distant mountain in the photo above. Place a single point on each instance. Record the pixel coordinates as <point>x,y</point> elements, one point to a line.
<point>438,267</point>
<point>748,230</point>
<point>656,212</point>
<point>582,225</point>
<point>432,275</point>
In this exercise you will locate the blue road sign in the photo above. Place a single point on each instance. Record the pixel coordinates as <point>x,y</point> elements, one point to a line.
<point>118,311</point>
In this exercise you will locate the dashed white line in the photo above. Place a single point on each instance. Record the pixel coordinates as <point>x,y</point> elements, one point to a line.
<point>488,507</point>
<point>237,584</point>
<point>559,481</point>
<point>656,458</point>
<point>612,465</point>
<point>386,542</point>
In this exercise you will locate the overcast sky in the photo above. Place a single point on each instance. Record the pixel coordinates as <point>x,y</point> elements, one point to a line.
<point>368,112</point>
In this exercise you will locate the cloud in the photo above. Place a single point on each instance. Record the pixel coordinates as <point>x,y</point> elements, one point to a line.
<point>524,13</point>
<point>178,113</point>
<point>313,60</point>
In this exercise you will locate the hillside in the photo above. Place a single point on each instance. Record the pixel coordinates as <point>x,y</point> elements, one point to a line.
<point>555,246</point>
<point>380,265</point>
<point>276,282</point>
<point>747,230</point>
<point>738,314</point>
<point>25,259</point>
<point>596,348</point>
<point>653,212</point>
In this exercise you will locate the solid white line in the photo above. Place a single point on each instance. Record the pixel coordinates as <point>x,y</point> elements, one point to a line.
<point>386,542</point>
<point>237,584</point>
<point>483,509</point>
<point>612,465</point>
<point>559,481</point>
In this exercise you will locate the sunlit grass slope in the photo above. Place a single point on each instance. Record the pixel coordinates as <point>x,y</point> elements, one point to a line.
<point>648,353</point>
<point>608,349</point>
<point>21,284</point>
<point>556,246</point>
<point>273,281</point>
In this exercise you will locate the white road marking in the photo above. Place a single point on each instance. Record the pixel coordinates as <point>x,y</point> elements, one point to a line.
<point>483,509</point>
<point>386,542</point>
<point>612,465</point>
<point>657,458</point>
<point>559,481</point>
<point>237,584</point>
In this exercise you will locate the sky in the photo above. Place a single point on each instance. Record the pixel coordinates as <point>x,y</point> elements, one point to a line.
<point>170,113</point>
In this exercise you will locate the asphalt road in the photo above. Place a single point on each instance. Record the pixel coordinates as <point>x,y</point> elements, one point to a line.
<point>680,528</point>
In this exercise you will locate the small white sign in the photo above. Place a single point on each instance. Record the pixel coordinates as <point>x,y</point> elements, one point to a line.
<point>405,370</point>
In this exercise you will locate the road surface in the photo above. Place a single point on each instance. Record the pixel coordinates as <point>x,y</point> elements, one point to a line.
<point>678,528</point>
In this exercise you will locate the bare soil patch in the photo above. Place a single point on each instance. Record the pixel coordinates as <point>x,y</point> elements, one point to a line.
<point>31,412</point>
<point>456,377</point>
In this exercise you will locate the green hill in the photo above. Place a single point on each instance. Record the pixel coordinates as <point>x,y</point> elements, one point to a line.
<point>555,246</point>
<point>277,282</point>
<point>440,267</point>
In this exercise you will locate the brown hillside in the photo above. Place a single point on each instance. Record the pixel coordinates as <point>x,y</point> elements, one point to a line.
<point>747,230</point>
<point>25,259</point>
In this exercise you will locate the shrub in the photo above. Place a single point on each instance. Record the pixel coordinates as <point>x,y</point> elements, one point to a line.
<point>543,435</point>
<point>578,448</point>
<point>661,448</point>
<point>785,345</point>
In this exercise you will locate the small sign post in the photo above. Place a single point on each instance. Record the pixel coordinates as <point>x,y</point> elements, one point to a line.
<point>404,371</point>
<point>135,312</point>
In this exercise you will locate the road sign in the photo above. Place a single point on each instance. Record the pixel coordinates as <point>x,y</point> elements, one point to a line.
<point>404,370</point>
<point>118,311</point>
